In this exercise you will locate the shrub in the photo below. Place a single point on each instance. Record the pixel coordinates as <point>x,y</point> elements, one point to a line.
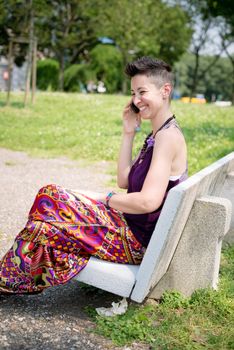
<point>105,65</point>
<point>76,77</point>
<point>47,74</point>
<point>106,62</point>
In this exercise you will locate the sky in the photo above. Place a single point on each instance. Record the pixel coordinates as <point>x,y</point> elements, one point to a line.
<point>213,43</point>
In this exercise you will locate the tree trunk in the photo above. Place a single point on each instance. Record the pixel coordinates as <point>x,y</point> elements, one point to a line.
<point>232,82</point>
<point>232,63</point>
<point>30,54</point>
<point>10,69</point>
<point>61,72</point>
<point>124,86</point>
<point>195,75</point>
<point>124,77</point>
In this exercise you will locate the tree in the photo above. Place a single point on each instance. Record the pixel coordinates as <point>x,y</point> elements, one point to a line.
<point>204,25</point>
<point>66,28</point>
<point>199,40</point>
<point>70,31</point>
<point>216,84</point>
<point>106,62</point>
<point>148,27</point>
<point>227,40</point>
<point>223,8</point>
<point>15,22</point>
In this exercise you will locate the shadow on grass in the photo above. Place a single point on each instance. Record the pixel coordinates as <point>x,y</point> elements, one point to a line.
<point>17,105</point>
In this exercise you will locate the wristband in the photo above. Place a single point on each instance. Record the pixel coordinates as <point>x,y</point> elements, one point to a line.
<point>137,128</point>
<point>108,197</point>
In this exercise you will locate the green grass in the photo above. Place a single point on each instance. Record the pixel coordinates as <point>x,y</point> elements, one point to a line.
<point>89,127</point>
<point>203,321</point>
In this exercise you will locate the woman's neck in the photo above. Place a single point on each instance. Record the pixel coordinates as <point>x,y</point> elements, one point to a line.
<point>160,119</point>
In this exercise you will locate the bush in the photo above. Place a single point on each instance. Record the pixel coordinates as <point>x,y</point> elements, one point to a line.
<point>47,74</point>
<point>106,62</point>
<point>76,77</point>
<point>105,65</point>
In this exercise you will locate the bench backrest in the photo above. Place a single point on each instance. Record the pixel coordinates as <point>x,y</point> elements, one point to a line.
<point>172,221</point>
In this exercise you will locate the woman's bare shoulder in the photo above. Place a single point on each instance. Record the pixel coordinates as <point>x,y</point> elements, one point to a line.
<point>171,135</point>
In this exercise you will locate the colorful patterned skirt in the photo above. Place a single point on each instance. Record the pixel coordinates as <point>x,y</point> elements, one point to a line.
<point>63,230</point>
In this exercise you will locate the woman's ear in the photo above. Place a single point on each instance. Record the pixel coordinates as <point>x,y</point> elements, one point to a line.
<point>166,90</point>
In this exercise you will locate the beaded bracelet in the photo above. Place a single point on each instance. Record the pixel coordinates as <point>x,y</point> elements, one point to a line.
<point>108,197</point>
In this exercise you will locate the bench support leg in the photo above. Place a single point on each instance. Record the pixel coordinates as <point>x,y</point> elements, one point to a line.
<point>196,261</point>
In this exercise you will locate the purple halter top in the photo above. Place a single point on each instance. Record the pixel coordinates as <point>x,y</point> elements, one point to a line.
<point>142,225</point>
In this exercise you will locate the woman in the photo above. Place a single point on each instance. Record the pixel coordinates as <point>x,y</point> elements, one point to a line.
<point>65,227</point>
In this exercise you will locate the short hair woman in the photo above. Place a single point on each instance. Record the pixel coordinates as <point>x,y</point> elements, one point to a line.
<point>66,227</point>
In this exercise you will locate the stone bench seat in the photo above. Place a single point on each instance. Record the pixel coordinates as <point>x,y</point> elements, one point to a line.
<point>184,251</point>
<point>109,276</point>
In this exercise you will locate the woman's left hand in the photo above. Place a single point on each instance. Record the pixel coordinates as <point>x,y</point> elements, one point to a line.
<point>131,120</point>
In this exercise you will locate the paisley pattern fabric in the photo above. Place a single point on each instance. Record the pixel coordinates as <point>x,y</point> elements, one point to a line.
<point>63,230</point>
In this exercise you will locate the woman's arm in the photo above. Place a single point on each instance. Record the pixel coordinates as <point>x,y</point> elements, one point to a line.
<point>125,160</point>
<point>130,121</point>
<point>156,182</point>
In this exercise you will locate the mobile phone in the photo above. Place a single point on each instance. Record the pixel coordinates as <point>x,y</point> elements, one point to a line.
<point>134,108</point>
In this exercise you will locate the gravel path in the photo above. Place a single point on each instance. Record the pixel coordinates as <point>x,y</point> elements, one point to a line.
<point>21,178</point>
<point>54,319</point>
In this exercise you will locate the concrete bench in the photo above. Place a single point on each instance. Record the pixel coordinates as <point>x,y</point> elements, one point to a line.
<point>228,192</point>
<point>184,250</point>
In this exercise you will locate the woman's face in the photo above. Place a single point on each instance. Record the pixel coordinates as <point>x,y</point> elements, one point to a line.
<point>146,96</point>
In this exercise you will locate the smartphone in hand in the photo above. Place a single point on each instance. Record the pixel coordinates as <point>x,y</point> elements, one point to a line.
<point>134,108</point>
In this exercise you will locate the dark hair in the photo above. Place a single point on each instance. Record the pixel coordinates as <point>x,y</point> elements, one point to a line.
<point>150,67</point>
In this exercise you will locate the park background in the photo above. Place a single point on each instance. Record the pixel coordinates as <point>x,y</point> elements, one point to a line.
<point>81,43</point>
<point>90,41</point>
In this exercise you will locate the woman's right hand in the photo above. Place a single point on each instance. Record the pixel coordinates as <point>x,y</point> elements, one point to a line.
<point>131,120</point>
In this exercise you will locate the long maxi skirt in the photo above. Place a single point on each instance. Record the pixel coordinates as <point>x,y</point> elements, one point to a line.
<point>63,230</point>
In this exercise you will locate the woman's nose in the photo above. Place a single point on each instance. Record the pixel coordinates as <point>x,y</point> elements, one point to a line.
<point>136,99</point>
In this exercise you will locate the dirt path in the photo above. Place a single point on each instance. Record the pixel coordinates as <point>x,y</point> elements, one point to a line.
<point>21,176</point>
<point>54,319</point>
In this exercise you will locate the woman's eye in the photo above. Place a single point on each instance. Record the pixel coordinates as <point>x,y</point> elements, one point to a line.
<point>142,92</point>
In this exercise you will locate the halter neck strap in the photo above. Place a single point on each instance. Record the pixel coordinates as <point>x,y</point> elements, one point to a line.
<point>164,124</point>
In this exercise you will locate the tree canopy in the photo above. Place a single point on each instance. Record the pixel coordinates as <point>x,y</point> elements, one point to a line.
<point>72,32</point>
<point>224,8</point>
<point>68,29</point>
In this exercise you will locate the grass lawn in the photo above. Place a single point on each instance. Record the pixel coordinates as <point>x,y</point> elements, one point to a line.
<point>203,321</point>
<point>88,127</point>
